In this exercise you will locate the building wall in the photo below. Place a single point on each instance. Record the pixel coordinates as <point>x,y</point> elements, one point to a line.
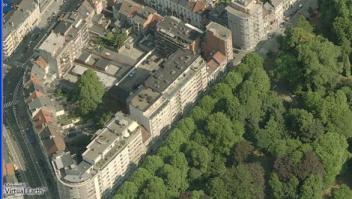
<point>171,7</point>
<point>110,176</point>
<point>181,93</point>
<point>13,39</point>
<point>247,26</point>
<point>72,50</point>
<point>215,43</point>
<point>86,190</point>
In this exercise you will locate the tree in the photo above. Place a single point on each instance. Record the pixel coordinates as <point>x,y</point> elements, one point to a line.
<point>285,168</point>
<point>178,160</point>
<point>260,79</point>
<point>312,188</point>
<point>271,138</point>
<point>153,163</point>
<point>285,68</point>
<point>217,188</point>
<point>331,148</point>
<point>198,114</point>
<point>245,181</point>
<point>233,79</point>
<point>234,110</point>
<point>176,139</point>
<point>154,188</point>
<point>283,190</point>
<point>309,165</point>
<point>172,177</point>
<point>223,132</point>
<point>343,192</point>
<point>304,24</point>
<point>103,119</point>
<point>140,177</point>
<point>90,92</point>
<point>242,152</point>
<point>251,101</point>
<point>193,195</point>
<point>207,103</point>
<point>197,155</point>
<point>128,191</point>
<point>303,125</point>
<point>221,90</point>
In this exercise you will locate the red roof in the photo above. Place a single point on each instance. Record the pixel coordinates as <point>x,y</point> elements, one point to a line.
<point>35,80</point>
<point>35,95</point>
<point>197,6</point>
<point>219,57</point>
<point>212,65</point>
<point>52,139</point>
<point>44,116</point>
<point>8,169</point>
<point>41,62</point>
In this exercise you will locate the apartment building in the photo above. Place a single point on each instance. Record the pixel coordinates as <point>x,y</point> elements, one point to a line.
<point>65,43</point>
<point>273,14</point>
<point>190,11</point>
<point>217,49</point>
<point>18,25</point>
<point>107,159</point>
<point>167,93</point>
<point>245,20</point>
<point>218,39</point>
<point>98,5</point>
<point>141,18</point>
<point>172,34</point>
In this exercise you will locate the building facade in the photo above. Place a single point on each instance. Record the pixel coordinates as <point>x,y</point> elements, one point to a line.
<point>218,38</point>
<point>172,34</point>
<point>245,20</point>
<point>65,43</point>
<point>107,159</point>
<point>189,11</point>
<point>169,91</point>
<point>18,25</point>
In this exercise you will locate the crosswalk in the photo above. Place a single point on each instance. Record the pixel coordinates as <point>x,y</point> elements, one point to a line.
<point>9,104</point>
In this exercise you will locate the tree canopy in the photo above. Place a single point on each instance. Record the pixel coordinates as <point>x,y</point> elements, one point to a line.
<point>90,92</point>
<point>244,139</point>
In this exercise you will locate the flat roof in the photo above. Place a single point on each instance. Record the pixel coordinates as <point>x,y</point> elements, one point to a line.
<point>171,69</point>
<point>22,12</point>
<point>144,98</point>
<point>114,134</point>
<point>53,43</point>
<point>176,28</point>
<point>219,30</point>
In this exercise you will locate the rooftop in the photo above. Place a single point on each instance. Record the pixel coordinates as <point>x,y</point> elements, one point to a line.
<point>219,30</point>
<point>144,98</point>
<point>177,29</point>
<point>171,69</point>
<point>243,8</point>
<point>85,9</point>
<point>53,44</point>
<point>25,8</point>
<point>44,116</point>
<point>39,103</point>
<point>115,134</point>
<point>129,8</point>
<point>52,139</point>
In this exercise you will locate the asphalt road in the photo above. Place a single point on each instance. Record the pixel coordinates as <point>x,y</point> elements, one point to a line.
<point>28,153</point>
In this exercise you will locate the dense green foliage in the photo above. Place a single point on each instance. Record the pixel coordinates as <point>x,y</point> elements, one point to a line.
<point>245,140</point>
<point>90,92</point>
<point>113,39</point>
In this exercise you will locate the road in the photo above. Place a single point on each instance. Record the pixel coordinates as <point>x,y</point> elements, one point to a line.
<point>30,157</point>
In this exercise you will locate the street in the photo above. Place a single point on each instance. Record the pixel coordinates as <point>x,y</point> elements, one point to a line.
<point>28,155</point>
